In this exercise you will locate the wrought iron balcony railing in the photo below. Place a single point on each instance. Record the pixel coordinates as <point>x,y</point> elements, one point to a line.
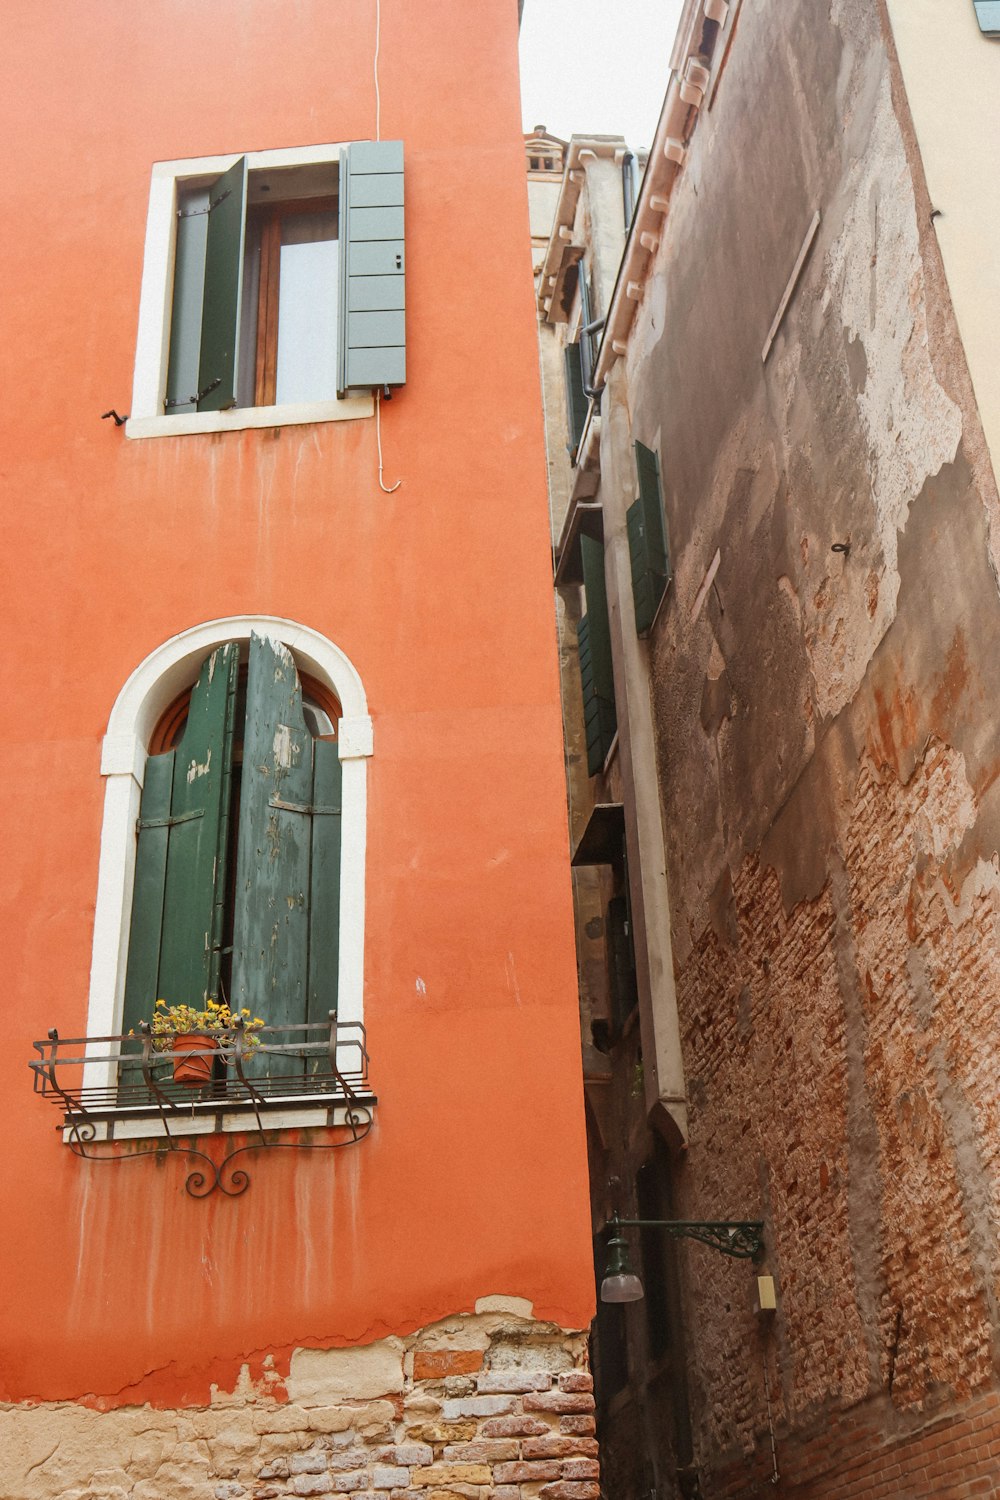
<point>122,1087</point>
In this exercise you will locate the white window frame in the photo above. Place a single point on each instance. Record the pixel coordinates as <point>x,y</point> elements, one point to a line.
<point>150,690</point>
<point>147,417</point>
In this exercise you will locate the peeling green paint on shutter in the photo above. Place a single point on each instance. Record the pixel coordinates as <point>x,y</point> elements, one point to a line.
<point>576,400</point>
<point>371,328</point>
<point>180,878</point>
<point>285,943</point>
<point>647,540</point>
<point>596,671</point>
<point>220,321</point>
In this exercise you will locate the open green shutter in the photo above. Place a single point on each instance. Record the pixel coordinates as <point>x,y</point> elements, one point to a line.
<point>371,329</point>
<point>576,400</point>
<point>647,540</point>
<point>596,671</point>
<point>189,295</point>
<point>285,944</point>
<point>220,319</point>
<point>175,936</point>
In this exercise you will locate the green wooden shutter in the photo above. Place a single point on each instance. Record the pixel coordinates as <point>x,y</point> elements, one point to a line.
<point>647,540</point>
<point>175,938</point>
<point>371,330</point>
<point>596,672</point>
<point>189,295</point>
<point>220,319</point>
<point>285,943</point>
<point>576,400</point>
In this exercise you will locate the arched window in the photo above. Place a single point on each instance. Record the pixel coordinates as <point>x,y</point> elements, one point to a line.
<point>233,845</point>
<point>237,878</point>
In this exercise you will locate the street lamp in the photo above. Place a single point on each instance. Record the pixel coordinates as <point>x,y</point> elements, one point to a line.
<point>741,1239</point>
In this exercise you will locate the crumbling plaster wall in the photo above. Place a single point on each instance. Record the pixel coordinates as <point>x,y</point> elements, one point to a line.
<point>487,1406</point>
<point>827,739</point>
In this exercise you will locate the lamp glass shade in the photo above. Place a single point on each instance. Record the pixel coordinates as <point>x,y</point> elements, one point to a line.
<point>621,1288</point>
<point>620,1284</point>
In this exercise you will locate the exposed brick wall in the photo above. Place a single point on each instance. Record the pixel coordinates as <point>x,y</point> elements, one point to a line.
<point>930,982</point>
<point>952,1458</point>
<point>840,1089</point>
<point>488,1409</point>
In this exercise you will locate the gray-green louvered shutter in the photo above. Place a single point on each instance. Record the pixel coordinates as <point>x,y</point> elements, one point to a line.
<point>188,299</point>
<point>220,319</point>
<point>596,673</point>
<point>285,941</point>
<point>371,329</point>
<point>175,937</point>
<point>647,540</point>
<point>988,14</point>
<point>576,400</point>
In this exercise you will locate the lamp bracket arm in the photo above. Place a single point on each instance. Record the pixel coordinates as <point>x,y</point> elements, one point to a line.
<point>741,1239</point>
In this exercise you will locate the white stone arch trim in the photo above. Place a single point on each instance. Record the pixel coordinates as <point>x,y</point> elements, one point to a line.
<point>151,688</point>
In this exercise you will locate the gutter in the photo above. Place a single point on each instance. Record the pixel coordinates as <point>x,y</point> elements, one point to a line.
<point>700,25</point>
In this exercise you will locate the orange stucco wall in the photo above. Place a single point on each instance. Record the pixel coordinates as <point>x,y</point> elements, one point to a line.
<point>114,1285</point>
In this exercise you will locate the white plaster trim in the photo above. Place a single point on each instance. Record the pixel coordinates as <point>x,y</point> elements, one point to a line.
<point>351,409</point>
<point>150,689</point>
<point>149,386</point>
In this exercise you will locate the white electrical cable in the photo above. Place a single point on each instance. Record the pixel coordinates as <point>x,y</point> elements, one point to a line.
<point>378,96</point>
<point>386,488</point>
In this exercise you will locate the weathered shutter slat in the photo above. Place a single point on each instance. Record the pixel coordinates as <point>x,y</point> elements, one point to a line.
<point>175,935</point>
<point>142,975</point>
<point>647,540</point>
<point>220,322</point>
<point>596,670</point>
<point>988,15</point>
<point>371,326</point>
<point>271,927</point>
<point>576,401</point>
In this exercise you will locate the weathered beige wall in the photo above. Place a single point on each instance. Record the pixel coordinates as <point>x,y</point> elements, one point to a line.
<point>828,765</point>
<point>951,73</point>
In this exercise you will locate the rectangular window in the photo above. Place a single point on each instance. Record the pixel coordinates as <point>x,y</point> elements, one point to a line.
<point>648,552</point>
<point>272,285</point>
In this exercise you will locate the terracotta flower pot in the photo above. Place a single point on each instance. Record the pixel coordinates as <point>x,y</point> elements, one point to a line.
<point>194,1070</point>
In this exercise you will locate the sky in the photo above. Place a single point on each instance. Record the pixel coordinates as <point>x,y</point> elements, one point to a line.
<point>596,66</point>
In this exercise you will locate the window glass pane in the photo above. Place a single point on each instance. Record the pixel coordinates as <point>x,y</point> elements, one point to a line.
<point>307,309</point>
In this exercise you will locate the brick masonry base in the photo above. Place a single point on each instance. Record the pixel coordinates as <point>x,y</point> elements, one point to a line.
<point>858,1456</point>
<point>487,1407</point>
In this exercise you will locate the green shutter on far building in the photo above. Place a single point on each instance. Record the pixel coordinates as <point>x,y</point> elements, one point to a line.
<point>647,540</point>
<point>596,671</point>
<point>576,400</point>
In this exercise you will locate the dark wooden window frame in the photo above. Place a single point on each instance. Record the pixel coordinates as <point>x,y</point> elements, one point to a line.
<point>269,217</point>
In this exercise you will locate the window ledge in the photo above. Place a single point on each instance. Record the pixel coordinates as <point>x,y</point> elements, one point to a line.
<point>212,1118</point>
<point>124,1088</point>
<point>240,418</point>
